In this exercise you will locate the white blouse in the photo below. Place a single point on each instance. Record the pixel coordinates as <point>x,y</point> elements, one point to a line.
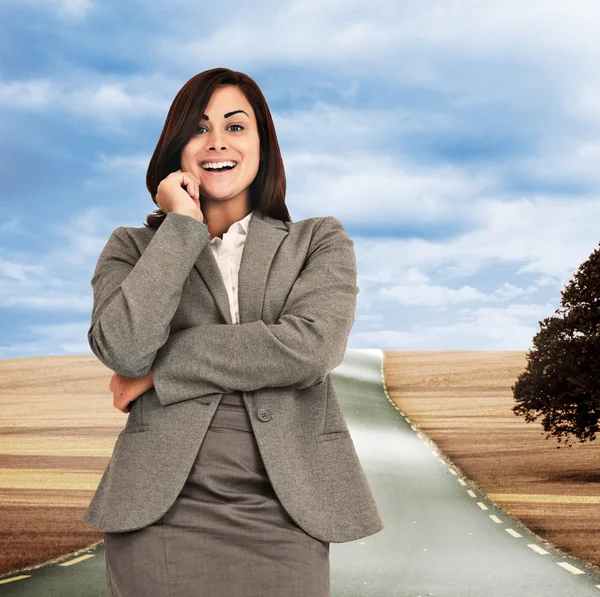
<point>228,253</point>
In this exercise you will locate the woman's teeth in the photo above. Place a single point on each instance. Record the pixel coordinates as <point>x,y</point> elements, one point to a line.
<point>217,166</point>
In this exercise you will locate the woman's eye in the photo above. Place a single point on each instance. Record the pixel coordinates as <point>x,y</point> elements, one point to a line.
<point>238,125</point>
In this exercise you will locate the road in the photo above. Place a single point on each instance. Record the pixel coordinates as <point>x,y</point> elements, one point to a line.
<point>442,537</point>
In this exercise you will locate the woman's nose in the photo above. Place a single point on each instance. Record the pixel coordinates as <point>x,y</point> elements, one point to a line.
<point>215,140</point>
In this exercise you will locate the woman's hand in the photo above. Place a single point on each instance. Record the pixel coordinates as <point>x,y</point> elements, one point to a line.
<point>172,196</point>
<point>126,389</point>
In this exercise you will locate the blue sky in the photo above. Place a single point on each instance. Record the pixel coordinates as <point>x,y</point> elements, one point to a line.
<point>456,141</point>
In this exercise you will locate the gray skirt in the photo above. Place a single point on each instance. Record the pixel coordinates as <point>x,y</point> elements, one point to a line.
<point>225,535</point>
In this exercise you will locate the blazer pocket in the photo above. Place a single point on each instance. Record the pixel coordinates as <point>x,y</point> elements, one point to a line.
<point>323,437</point>
<point>135,429</point>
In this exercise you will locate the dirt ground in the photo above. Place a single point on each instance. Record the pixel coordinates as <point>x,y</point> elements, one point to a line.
<point>56,417</point>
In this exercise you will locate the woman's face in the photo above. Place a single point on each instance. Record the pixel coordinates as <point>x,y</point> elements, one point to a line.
<point>226,134</point>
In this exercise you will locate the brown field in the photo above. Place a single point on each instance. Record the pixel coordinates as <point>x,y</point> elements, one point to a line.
<point>462,401</point>
<point>57,418</point>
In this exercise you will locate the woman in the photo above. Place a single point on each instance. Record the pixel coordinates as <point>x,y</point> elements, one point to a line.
<point>186,503</point>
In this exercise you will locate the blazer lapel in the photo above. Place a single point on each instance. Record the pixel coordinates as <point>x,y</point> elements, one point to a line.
<point>264,236</point>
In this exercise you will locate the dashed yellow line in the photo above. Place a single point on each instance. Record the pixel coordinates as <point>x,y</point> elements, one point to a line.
<point>3,581</point>
<point>77,560</point>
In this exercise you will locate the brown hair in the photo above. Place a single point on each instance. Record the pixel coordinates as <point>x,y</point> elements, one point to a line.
<point>267,190</point>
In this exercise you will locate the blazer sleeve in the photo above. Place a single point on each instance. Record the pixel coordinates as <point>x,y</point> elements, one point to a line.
<point>136,296</point>
<point>306,343</point>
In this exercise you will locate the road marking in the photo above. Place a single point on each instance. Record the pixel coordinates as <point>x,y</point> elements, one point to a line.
<point>570,568</point>
<point>512,532</point>
<point>495,519</point>
<point>77,560</point>
<point>471,493</point>
<point>5,580</point>
<point>482,505</point>
<point>537,548</point>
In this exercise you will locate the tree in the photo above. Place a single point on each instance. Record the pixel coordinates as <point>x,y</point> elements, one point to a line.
<point>561,382</point>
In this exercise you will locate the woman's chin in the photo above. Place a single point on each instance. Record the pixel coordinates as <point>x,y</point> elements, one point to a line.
<point>216,195</point>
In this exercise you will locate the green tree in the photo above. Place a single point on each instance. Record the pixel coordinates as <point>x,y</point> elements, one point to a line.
<point>561,382</point>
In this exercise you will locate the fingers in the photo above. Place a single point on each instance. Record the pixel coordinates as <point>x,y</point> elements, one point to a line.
<point>192,185</point>
<point>117,387</point>
<point>186,176</point>
<point>189,181</point>
<point>193,190</point>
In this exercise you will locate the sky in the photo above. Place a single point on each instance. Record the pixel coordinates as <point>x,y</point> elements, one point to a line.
<point>457,142</point>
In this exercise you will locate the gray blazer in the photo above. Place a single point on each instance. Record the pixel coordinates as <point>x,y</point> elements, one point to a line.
<point>160,303</point>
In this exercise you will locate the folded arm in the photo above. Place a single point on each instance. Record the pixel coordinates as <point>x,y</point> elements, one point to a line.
<point>306,343</point>
<point>135,297</point>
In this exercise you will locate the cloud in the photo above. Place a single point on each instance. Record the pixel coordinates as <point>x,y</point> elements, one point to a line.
<point>106,103</point>
<point>536,236</point>
<point>487,328</point>
<point>442,297</point>
<point>46,340</point>
<point>377,189</point>
<point>411,37</point>
<point>70,10</point>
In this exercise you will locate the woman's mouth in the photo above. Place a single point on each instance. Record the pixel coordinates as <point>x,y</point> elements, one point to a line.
<point>216,168</point>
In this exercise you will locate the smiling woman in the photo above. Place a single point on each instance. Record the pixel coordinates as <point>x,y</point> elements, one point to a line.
<point>236,469</point>
<point>221,116</point>
<point>225,532</point>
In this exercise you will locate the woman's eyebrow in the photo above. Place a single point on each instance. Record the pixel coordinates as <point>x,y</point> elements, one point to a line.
<point>204,116</point>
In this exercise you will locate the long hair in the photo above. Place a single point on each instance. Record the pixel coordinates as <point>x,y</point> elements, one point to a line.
<point>267,190</point>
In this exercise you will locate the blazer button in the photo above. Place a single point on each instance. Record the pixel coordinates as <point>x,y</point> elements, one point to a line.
<point>264,414</point>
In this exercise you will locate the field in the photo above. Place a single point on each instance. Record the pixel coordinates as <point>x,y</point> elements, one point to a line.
<point>58,427</point>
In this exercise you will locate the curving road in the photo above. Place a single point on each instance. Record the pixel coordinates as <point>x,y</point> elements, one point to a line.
<point>442,537</point>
